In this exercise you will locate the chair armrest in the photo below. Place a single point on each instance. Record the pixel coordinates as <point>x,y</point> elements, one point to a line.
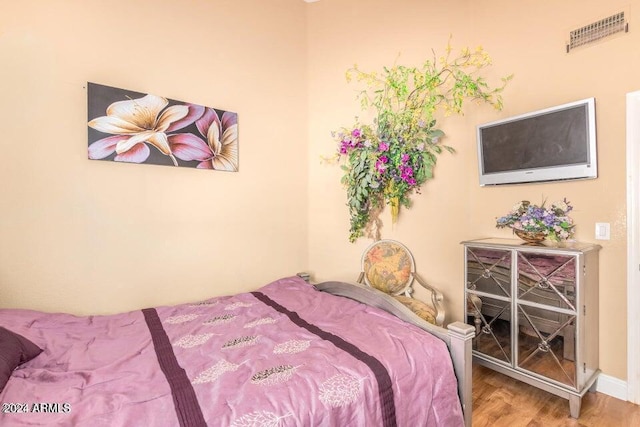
<point>437,299</point>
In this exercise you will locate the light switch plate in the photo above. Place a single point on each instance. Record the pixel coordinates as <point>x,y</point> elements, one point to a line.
<point>603,231</point>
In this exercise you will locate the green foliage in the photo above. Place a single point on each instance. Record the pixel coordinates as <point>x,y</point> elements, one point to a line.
<point>387,161</point>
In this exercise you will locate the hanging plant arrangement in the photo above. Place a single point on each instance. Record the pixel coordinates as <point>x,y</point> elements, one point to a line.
<point>386,161</point>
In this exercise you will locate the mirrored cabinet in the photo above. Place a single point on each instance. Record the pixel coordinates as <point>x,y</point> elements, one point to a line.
<point>535,310</point>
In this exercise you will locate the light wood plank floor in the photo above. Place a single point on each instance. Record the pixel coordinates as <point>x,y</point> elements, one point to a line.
<point>501,401</point>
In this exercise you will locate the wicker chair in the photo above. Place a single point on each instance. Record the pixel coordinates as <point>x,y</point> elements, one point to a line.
<point>388,266</point>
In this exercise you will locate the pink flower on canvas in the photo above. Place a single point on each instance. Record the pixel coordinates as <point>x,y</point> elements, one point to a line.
<point>220,151</point>
<point>134,123</point>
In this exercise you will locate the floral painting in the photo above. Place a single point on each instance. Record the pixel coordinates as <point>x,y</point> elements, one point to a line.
<point>133,127</point>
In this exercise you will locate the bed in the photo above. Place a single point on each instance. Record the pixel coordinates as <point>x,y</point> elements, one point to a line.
<point>287,354</point>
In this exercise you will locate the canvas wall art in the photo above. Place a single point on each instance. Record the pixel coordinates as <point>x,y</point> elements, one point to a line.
<point>133,127</point>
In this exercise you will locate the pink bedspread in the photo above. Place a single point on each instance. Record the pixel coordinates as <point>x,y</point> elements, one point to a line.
<point>285,355</point>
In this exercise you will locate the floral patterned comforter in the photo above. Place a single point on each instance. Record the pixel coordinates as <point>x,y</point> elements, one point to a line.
<point>284,355</point>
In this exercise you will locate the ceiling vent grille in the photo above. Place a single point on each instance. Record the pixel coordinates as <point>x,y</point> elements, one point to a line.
<point>597,30</point>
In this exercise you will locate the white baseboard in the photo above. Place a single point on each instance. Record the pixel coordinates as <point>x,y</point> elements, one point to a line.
<point>612,386</point>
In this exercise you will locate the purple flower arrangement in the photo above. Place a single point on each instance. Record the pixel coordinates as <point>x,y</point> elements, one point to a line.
<point>381,170</point>
<point>554,221</point>
<point>384,163</point>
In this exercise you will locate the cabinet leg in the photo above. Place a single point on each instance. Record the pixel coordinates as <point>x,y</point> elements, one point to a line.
<point>574,406</point>
<point>594,387</point>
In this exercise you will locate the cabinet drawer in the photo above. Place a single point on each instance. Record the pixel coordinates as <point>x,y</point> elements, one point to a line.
<point>547,279</point>
<point>494,336</point>
<point>546,345</point>
<point>489,271</point>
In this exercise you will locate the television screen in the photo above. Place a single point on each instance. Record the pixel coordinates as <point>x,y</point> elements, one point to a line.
<point>553,144</point>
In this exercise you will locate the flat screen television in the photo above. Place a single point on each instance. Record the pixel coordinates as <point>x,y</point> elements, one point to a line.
<point>557,143</point>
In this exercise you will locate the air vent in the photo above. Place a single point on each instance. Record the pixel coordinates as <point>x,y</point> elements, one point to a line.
<point>597,31</point>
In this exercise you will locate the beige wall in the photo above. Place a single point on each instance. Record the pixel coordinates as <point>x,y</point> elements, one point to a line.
<point>526,38</point>
<point>96,237</point>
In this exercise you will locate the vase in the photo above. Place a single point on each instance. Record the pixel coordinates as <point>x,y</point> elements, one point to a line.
<point>530,236</point>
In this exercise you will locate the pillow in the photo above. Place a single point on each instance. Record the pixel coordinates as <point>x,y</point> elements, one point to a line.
<point>14,351</point>
<point>425,311</point>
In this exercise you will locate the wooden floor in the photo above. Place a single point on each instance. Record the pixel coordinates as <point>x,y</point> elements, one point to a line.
<point>501,401</point>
